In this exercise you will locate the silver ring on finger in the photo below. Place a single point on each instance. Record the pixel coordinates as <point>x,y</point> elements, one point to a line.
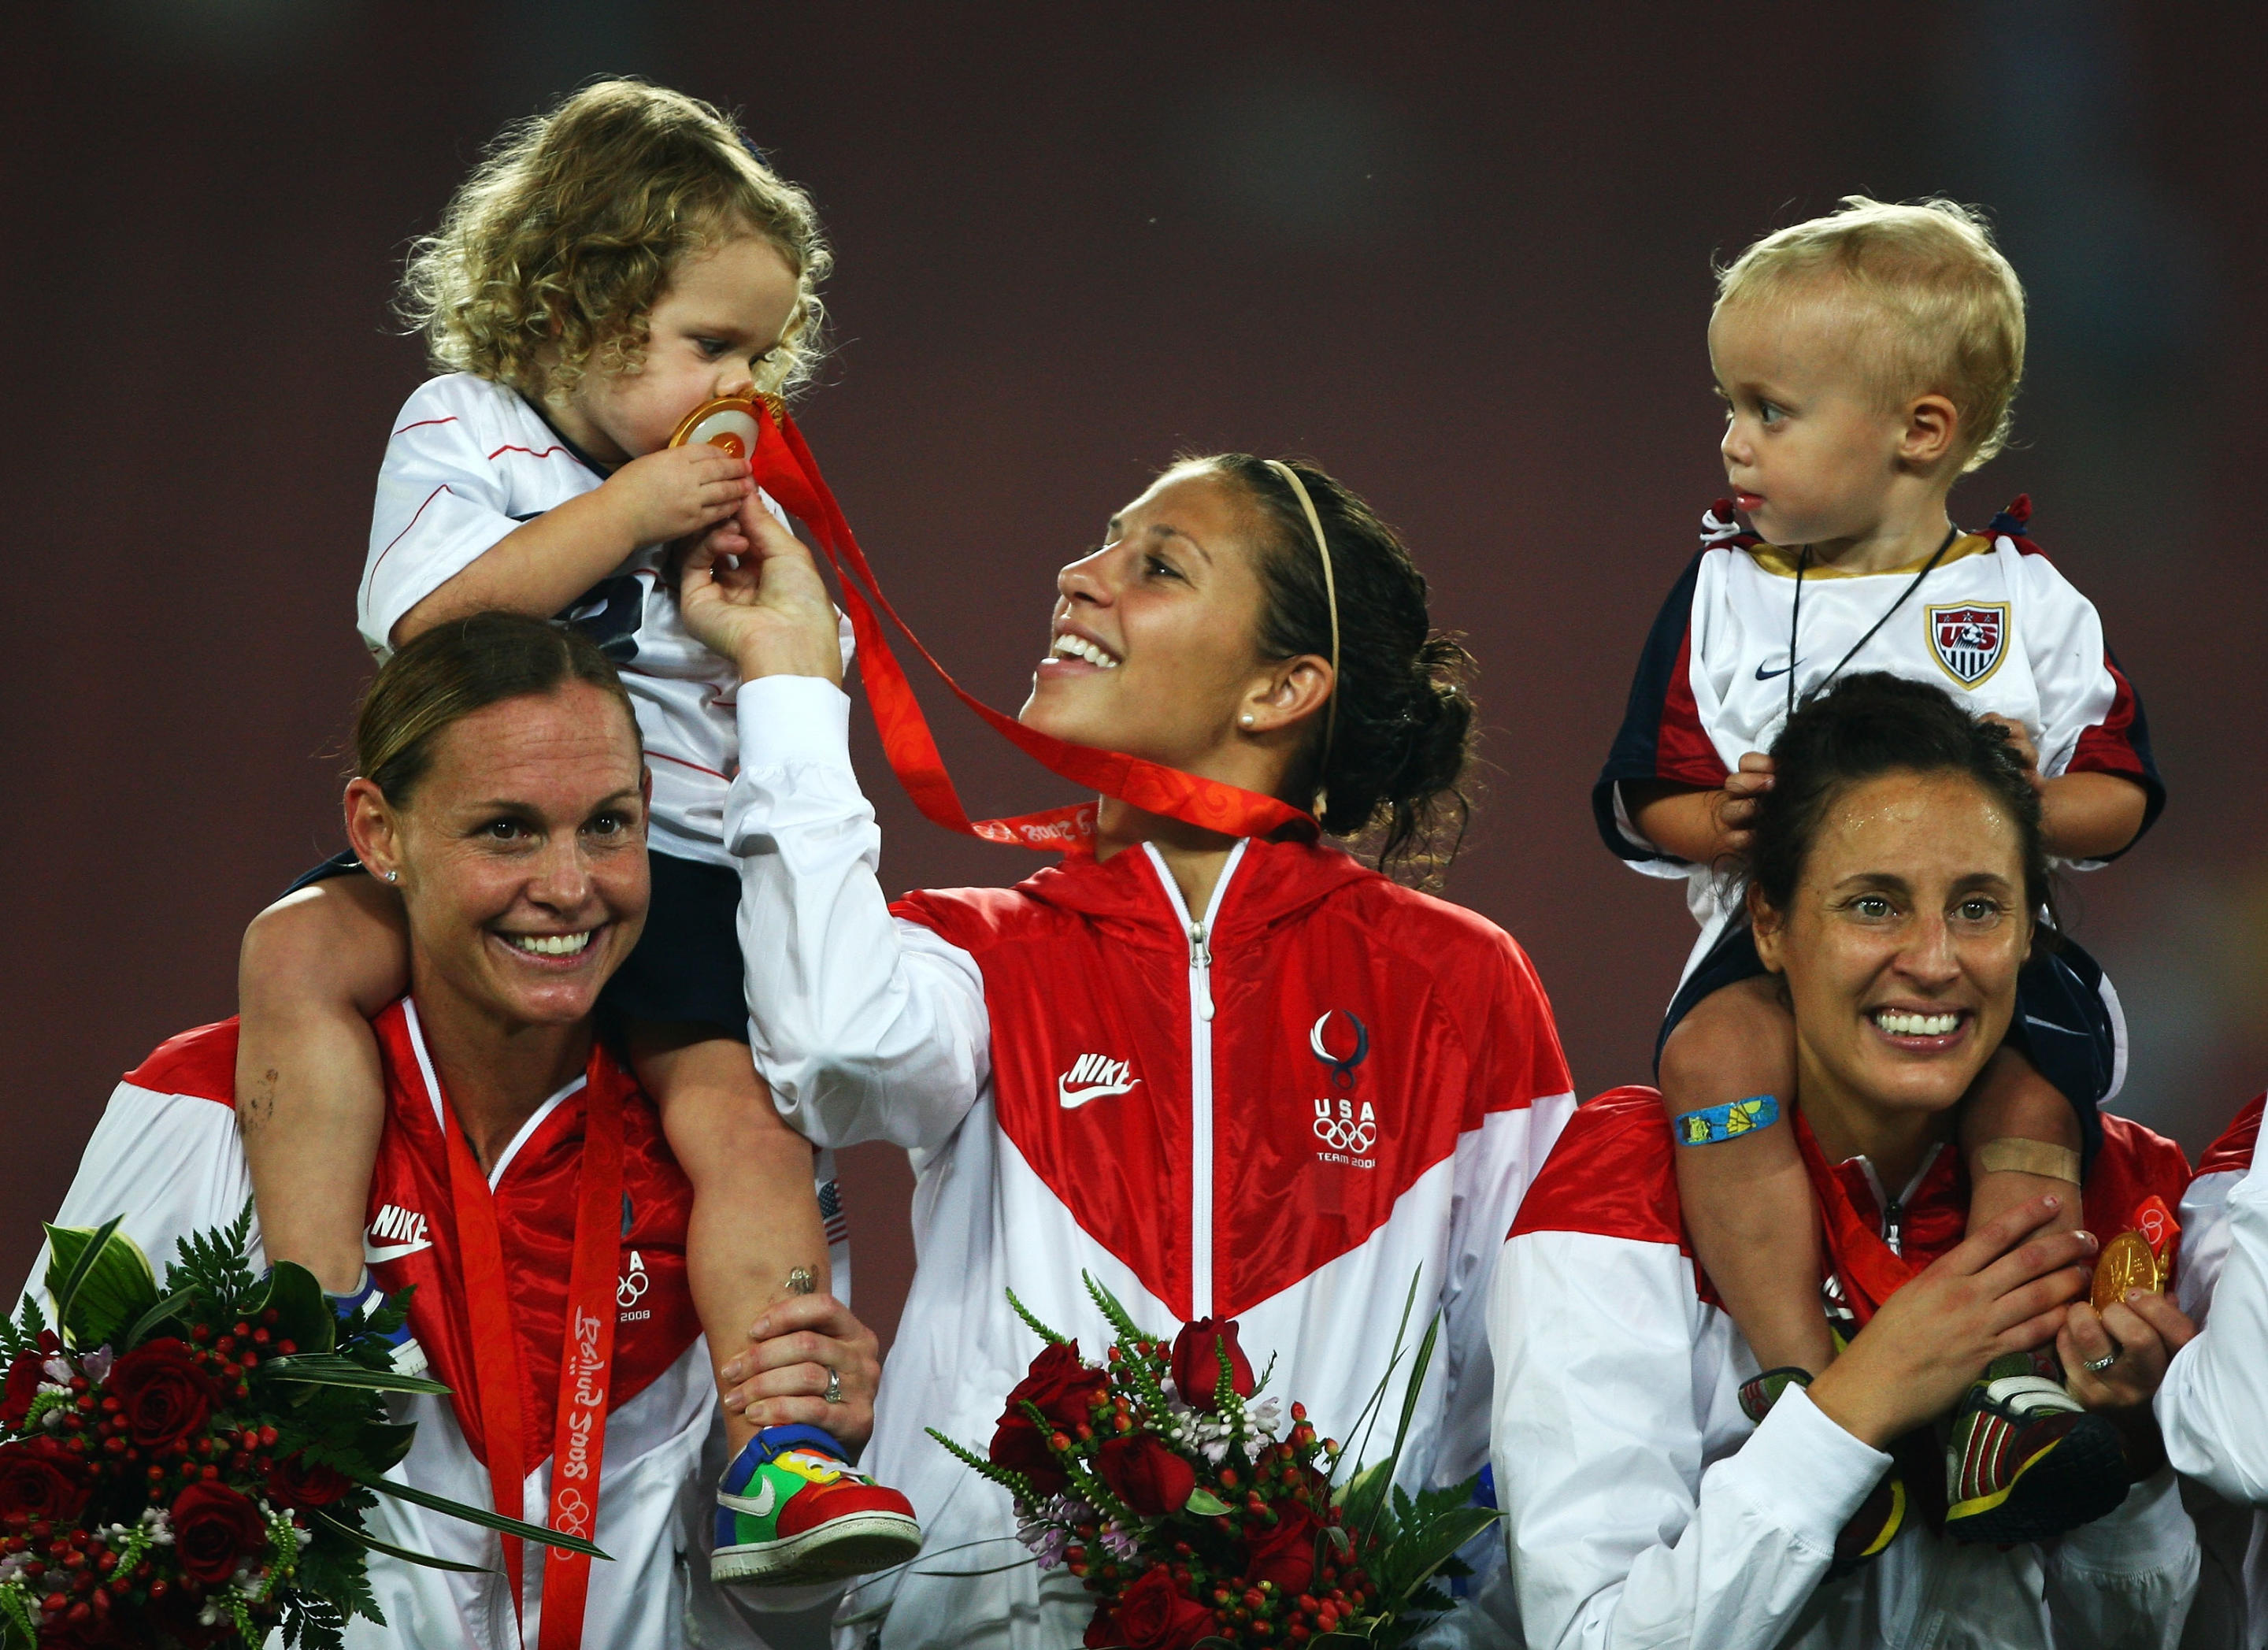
<point>2096,1366</point>
<point>834,1393</point>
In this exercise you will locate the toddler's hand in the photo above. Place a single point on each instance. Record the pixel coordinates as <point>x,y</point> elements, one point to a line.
<point>1736,810</point>
<point>2019,741</point>
<point>678,491</point>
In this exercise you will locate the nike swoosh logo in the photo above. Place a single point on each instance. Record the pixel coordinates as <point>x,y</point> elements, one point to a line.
<point>375,1254</point>
<point>1073,1098</point>
<point>1766,675</point>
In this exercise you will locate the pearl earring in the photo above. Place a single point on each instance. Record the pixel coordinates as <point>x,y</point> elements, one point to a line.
<point>1246,718</point>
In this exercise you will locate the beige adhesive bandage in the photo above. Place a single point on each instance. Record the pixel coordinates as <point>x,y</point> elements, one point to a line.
<point>2013,1154</point>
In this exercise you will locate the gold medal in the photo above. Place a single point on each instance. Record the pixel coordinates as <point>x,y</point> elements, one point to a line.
<point>729,423</point>
<point>2125,1262</point>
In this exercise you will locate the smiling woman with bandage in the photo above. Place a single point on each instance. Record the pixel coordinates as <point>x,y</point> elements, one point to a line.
<point>1659,1492</point>
<point>1229,1074</point>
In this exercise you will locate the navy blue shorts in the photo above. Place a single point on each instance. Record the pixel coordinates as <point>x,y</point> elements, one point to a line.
<point>2066,1022</point>
<point>686,966</point>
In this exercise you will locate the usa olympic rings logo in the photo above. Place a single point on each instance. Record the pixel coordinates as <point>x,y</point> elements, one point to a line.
<point>1338,1126</point>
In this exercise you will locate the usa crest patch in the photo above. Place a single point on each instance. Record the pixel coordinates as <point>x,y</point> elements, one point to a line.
<point>1968,639</point>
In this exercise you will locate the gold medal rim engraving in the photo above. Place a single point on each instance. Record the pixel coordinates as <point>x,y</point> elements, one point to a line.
<point>686,426</point>
<point>2127,1262</point>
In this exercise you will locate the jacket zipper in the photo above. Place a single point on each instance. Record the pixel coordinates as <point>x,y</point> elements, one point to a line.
<point>1201,1008</point>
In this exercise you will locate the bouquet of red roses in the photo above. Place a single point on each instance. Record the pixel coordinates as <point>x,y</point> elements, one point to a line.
<point>1196,1516</point>
<point>192,1467</point>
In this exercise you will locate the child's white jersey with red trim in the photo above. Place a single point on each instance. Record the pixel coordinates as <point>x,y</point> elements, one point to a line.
<point>167,1157</point>
<point>1993,623</point>
<point>2214,1406</point>
<point>1283,1112</point>
<point>470,461</point>
<point>1643,1510</point>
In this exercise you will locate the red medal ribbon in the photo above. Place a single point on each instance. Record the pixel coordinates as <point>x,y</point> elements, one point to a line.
<point>585,1360</point>
<point>1871,1271</point>
<point>783,467</point>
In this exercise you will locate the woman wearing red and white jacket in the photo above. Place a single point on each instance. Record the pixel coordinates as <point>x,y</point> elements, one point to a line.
<point>1892,874</point>
<point>2214,1406</point>
<point>1227,1077</point>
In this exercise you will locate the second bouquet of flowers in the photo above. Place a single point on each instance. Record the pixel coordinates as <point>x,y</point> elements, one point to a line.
<point>1199,1513</point>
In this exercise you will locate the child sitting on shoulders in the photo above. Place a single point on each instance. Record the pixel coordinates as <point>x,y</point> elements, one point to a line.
<point>1867,360</point>
<point>608,268</point>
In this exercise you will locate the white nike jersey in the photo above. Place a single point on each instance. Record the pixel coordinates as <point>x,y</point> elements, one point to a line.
<point>468,461</point>
<point>1992,623</point>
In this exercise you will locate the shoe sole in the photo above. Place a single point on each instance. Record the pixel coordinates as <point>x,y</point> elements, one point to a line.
<point>855,1544</point>
<point>2079,1478</point>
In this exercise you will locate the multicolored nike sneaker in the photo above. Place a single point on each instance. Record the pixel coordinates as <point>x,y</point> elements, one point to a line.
<point>2026,1462</point>
<point>791,1510</point>
<point>366,1297</point>
<point>1879,1517</point>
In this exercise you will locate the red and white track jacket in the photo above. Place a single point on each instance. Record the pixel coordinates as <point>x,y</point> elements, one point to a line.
<point>1280,1111</point>
<point>2214,1406</point>
<point>1643,1509</point>
<point>166,1155</point>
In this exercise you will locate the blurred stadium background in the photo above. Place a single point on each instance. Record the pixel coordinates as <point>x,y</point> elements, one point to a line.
<point>1458,253</point>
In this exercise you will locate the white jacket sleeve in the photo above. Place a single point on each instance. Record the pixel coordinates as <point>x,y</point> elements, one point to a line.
<point>1618,1536</point>
<point>171,1164</point>
<point>867,1028</point>
<point>2213,1405</point>
<point>1496,1163</point>
<point>2125,1582</point>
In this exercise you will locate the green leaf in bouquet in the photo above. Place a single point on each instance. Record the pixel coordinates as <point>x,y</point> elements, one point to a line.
<point>1359,1498</point>
<point>1205,1503</point>
<point>303,1315</point>
<point>1408,1409</point>
<point>100,1282</point>
<point>383,1445</point>
<point>17,1625</point>
<point>157,1316</point>
<point>1007,1478</point>
<point>1120,1322</point>
<point>327,1369</point>
<point>480,1515</point>
<point>1419,1552</point>
<point>1034,1325</point>
<point>362,1537</point>
<point>1368,1417</point>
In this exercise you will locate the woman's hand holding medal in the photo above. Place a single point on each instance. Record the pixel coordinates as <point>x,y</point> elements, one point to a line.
<point>1999,1292</point>
<point>751,592</point>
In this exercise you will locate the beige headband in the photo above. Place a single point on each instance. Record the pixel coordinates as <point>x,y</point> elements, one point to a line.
<point>1330,594</point>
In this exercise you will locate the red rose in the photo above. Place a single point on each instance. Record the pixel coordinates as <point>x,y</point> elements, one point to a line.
<point>1285,1554</point>
<point>163,1396</point>
<point>1101,1631</point>
<point>24,1378</point>
<point>1145,1475</point>
<point>1022,1448</point>
<point>40,1478</point>
<point>214,1530</point>
<point>1064,1389</point>
<point>1153,1614</point>
<point>1197,1353</point>
<point>297,1481</point>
